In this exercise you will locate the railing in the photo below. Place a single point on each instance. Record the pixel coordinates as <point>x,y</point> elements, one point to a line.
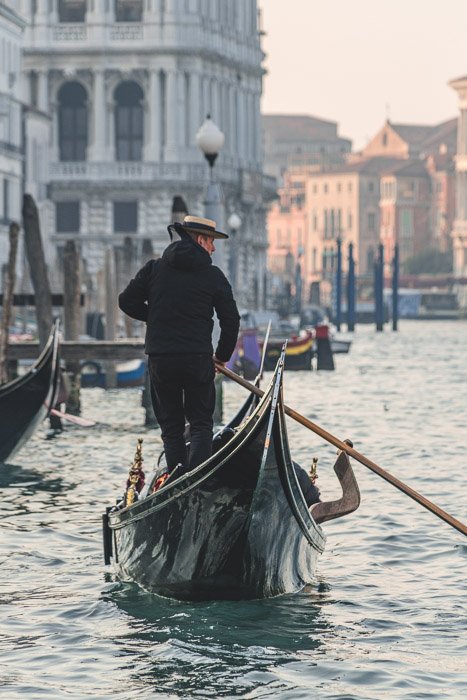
<point>191,36</point>
<point>126,32</point>
<point>163,172</point>
<point>70,32</point>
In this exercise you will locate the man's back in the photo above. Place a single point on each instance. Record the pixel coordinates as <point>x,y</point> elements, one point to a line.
<point>182,289</point>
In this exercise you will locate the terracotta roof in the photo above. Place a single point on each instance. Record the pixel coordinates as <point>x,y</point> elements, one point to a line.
<point>413,134</point>
<point>446,132</point>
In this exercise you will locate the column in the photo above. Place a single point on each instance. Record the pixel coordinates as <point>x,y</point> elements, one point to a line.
<point>241,128</point>
<point>171,120</point>
<point>258,130</point>
<point>153,146</point>
<point>196,115</point>
<point>98,148</point>
<point>206,107</point>
<point>181,110</point>
<point>232,120</point>
<point>216,112</point>
<point>53,146</point>
<point>43,90</point>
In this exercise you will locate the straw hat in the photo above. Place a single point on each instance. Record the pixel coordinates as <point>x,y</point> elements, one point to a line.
<point>205,227</point>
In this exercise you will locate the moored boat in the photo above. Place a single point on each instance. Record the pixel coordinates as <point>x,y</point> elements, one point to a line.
<point>26,401</point>
<point>237,526</point>
<point>298,354</point>
<point>340,346</point>
<point>129,374</point>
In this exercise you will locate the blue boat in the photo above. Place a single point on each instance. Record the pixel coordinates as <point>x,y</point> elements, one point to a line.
<point>130,373</point>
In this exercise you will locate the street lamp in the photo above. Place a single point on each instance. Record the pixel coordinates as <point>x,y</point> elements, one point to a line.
<point>234,224</point>
<point>210,140</point>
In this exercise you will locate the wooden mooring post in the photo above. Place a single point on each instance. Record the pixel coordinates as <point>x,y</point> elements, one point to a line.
<point>110,313</point>
<point>72,320</point>
<point>37,268</point>
<point>8,289</point>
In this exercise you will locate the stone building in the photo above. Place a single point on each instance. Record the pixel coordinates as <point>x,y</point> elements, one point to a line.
<point>11,133</point>
<point>127,85</point>
<point>292,140</point>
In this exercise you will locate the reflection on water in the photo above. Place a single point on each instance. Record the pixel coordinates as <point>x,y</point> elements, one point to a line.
<point>385,617</point>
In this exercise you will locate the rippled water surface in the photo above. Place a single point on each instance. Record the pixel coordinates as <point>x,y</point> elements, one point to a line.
<point>386,616</point>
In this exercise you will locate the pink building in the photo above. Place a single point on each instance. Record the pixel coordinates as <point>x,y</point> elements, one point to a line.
<point>405,210</point>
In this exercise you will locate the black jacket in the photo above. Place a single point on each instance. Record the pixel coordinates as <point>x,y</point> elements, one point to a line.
<point>177,295</point>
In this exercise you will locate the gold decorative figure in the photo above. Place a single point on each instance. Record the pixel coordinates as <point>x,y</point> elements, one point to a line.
<point>314,470</point>
<point>135,480</point>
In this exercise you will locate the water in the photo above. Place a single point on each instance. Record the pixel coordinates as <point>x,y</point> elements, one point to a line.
<point>386,616</point>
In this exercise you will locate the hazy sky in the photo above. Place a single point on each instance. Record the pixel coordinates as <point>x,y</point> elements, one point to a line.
<point>358,61</point>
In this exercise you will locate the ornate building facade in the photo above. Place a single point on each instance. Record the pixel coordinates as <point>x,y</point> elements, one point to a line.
<point>11,137</point>
<point>127,84</point>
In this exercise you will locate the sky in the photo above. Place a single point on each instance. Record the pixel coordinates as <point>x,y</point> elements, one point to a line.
<point>358,62</point>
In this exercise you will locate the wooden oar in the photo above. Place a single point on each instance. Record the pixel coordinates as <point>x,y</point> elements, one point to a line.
<point>83,422</point>
<point>356,455</point>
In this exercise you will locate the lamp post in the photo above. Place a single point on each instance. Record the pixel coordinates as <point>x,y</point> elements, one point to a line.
<point>234,224</point>
<point>210,140</point>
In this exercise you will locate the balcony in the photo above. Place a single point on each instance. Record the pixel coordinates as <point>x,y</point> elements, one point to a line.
<point>134,171</point>
<point>130,31</point>
<point>153,174</point>
<point>70,32</point>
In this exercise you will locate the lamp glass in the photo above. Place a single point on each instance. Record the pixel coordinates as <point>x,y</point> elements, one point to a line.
<point>209,138</point>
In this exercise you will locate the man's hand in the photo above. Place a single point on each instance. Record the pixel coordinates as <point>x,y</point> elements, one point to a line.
<point>218,362</point>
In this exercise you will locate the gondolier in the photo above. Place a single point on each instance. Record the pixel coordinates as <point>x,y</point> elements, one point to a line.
<point>177,296</point>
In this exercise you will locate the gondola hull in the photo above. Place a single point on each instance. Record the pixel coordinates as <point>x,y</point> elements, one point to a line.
<point>298,354</point>
<point>26,401</point>
<point>236,527</point>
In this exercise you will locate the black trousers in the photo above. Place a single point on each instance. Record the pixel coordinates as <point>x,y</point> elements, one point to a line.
<point>183,387</point>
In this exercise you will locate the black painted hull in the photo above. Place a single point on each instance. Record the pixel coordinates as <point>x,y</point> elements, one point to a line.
<point>236,527</point>
<point>298,354</point>
<point>26,401</point>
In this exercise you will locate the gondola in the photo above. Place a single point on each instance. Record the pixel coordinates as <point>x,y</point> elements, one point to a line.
<point>299,352</point>
<point>26,401</point>
<point>236,527</point>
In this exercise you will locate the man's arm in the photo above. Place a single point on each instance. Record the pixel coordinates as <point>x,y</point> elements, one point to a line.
<point>229,320</point>
<point>133,299</point>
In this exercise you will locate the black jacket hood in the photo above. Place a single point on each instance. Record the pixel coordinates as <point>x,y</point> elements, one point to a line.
<point>186,255</point>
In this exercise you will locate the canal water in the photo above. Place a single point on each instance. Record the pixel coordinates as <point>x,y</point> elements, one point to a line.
<point>385,617</point>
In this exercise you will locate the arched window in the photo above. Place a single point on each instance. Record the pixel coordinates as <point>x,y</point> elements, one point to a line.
<point>71,10</point>
<point>128,10</point>
<point>128,121</point>
<point>72,121</point>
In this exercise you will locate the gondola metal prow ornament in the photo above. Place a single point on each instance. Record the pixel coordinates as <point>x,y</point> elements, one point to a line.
<point>351,452</point>
<point>135,476</point>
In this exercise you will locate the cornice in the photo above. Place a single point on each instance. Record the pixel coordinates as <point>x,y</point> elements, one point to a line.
<point>12,16</point>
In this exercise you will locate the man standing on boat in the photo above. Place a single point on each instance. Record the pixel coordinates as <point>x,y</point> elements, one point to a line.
<point>176,296</point>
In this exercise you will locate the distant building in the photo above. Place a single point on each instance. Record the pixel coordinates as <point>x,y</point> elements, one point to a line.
<point>295,141</point>
<point>11,135</point>
<point>459,233</point>
<point>436,147</point>
<point>405,202</point>
<point>442,170</point>
<point>127,85</point>
<point>318,206</point>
